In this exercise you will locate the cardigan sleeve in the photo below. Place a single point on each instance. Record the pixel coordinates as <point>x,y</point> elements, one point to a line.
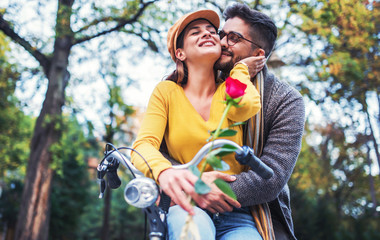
<point>283,130</point>
<point>250,103</point>
<point>150,135</point>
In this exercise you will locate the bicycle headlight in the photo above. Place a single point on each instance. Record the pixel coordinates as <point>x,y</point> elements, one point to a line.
<point>141,192</point>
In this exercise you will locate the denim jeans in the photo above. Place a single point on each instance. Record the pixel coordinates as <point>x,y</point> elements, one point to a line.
<point>238,224</point>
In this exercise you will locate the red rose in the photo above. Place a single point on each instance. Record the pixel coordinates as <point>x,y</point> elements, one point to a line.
<point>235,88</point>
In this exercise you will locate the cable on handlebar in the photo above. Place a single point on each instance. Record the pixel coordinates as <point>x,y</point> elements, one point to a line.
<point>114,149</point>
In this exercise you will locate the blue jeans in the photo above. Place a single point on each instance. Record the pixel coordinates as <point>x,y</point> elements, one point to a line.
<point>238,224</point>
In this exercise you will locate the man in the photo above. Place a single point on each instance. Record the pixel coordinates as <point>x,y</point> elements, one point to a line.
<point>249,33</point>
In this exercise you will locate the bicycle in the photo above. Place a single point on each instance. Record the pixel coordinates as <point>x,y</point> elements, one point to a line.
<point>142,192</point>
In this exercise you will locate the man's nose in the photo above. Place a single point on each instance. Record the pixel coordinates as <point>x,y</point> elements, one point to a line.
<point>223,42</point>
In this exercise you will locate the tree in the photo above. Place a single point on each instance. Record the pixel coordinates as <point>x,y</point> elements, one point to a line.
<point>348,61</point>
<point>330,197</point>
<point>334,46</point>
<point>34,213</point>
<point>15,133</point>
<point>116,118</point>
<point>70,187</point>
<point>15,127</point>
<point>344,74</point>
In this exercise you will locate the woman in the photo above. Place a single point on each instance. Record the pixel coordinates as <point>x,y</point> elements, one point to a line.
<point>184,110</point>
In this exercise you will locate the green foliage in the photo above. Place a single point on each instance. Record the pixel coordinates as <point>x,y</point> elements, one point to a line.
<point>234,101</point>
<point>223,151</point>
<point>15,133</point>
<point>70,187</point>
<point>225,187</point>
<point>214,161</point>
<point>125,220</point>
<point>333,176</point>
<point>349,61</point>
<point>201,187</point>
<point>15,127</point>
<point>195,170</point>
<point>10,198</point>
<point>226,132</point>
<point>329,186</point>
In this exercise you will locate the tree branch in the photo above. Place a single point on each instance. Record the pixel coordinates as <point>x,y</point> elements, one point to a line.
<point>151,44</point>
<point>5,26</point>
<point>121,23</point>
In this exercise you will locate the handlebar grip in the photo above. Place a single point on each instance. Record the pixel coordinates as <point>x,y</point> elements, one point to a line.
<point>247,157</point>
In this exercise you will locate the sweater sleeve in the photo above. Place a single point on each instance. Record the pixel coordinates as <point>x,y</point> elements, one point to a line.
<point>150,135</point>
<point>250,103</point>
<point>284,122</point>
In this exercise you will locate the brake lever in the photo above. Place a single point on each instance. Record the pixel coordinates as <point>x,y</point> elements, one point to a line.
<point>108,167</point>
<point>102,182</point>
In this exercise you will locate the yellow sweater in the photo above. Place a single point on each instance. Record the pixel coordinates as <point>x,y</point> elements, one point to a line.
<point>171,115</point>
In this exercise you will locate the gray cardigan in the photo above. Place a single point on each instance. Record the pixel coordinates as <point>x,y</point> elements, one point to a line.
<point>284,118</point>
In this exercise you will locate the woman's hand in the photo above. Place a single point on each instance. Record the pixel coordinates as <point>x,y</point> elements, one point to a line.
<point>178,184</point>
<point>255,64</point>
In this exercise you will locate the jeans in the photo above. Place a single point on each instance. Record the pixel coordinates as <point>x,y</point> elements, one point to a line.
<point>238,224</point>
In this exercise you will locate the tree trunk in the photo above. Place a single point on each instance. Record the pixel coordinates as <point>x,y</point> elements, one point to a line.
<point>106,214</point>
<point>34,215</point>
<point>372,135</point>
<point>372,190</point>
<point>108,196</point>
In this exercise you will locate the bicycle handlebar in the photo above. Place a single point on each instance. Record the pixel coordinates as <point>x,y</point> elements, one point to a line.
<point>204,150</point>
<point>244,155</point>
<point>126,163</point>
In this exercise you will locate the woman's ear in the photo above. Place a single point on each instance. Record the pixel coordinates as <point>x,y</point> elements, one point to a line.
<point>180,54</point>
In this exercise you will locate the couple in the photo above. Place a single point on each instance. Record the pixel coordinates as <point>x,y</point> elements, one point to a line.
<point>182,110</point>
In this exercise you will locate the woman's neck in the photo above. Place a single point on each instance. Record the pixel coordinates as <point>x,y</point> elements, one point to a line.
<point>201,80</point>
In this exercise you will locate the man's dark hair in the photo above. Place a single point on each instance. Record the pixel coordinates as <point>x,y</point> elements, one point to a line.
<point>263,31</point>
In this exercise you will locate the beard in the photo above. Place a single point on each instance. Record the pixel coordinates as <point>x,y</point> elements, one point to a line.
<point>226,67</point>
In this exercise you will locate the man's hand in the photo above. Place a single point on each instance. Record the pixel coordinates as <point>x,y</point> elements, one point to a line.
<point>255,64</point>
<point>178,184</point>
<point>216,200</point>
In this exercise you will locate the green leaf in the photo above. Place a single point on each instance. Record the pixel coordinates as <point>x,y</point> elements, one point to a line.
<point>201,187</point>
<point>225,132</point>
<point>225,187</point>
<point>195,170</point>
<point>217,163</point>
<point>224,167</point>
<point>214,161</point>
<point>223,151</point>
<point>236,124</point>
<point>234,101</point>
